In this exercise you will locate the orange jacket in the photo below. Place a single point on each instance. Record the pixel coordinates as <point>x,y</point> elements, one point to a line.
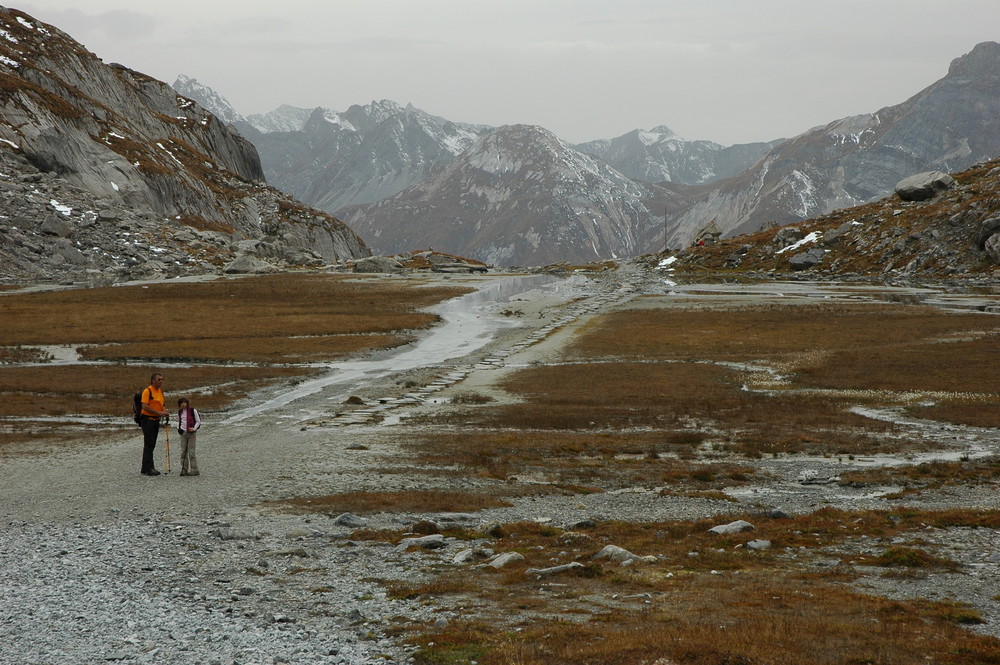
<point>153,397</point>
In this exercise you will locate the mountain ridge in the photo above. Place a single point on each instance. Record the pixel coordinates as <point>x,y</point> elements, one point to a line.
<point>693,186</point>
<point>478,204</point>
<point>949,126</point>
<point>129,177</point>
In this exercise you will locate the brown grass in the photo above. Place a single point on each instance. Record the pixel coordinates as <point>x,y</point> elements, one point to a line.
<point>56,390</point>
<point>286,305</point>
<point>772,331</point>
<point>978,414</point>
<point>278,349</point>
<point>578,459</point>
<point>674,395</point>
<point>215,328</point>
<point>928,474</point>
<point>659,373</point>
<point>760,609</point>
<point>363,503</point>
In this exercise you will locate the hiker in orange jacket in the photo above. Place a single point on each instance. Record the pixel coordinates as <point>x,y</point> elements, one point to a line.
<point>153,410</point>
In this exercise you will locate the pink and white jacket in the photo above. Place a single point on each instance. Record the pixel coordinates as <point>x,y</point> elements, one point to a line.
<point>188,418</point>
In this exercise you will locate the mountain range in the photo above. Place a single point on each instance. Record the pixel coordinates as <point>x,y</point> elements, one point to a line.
<point>399,175</point>
<point>107,174</point>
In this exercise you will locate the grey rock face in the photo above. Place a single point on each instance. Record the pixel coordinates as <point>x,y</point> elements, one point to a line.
<point>949,126</point>
<point>334,160</point>
<point>124,168</point>
<point>518,197</point>
<point>661,155</point>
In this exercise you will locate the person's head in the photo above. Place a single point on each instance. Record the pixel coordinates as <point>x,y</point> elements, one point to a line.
<point>156,379</point>
<point>183,403</point>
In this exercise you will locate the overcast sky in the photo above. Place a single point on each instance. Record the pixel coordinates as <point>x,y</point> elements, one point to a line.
<point>730,71</point>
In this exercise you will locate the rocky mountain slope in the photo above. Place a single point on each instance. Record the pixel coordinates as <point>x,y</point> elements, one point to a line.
<point>339,161</point>
<point>949,126</point>
<point>519,196</point>
<point>333,159</point>
<point>106,174</point>
<point>364,154</point>
<point>660,155</point>
<point>954,233</point>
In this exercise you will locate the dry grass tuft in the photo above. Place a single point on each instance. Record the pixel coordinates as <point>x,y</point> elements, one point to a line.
<point>929,474</point>
<point>233,310</point>
<point>364,503</point>
<point>681,610</point>
<point>275,319</point>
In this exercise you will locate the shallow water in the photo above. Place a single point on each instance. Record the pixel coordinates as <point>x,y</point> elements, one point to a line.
<point>470,322</point>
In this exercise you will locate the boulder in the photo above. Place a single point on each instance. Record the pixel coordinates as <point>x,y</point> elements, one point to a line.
<point>733,527</point>
<point>470,555</point>
<point>248,265</point>
<point>555,570</point>
<point>378,264</point>
<point>432,542</point>
<point>54,226</point>
<point>351,520</point>
<point>709,234</point>
<point>992,247</point>
<point>65,249</point>
<point>615,553</point>
<point>806,260</point>
<point>923,186</point>
<point>504,559</point>
<point>986,229</point>
<point>788,236</point>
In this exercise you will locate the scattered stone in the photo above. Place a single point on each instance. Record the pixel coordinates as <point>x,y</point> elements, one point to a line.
<point>351,521</point>
<point>807,259</point>
<point>733,527</point>
<point>555,570</point>
<point>620,555</point>
<point>505,559</point>
<point>432,542</point>
<point>378,264</point>
<point>248,265</point>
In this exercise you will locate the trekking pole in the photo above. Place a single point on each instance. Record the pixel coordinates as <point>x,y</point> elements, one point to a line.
<point>167,469</point>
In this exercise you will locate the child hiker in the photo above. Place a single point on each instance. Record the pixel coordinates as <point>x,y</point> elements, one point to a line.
<point>188,422</point>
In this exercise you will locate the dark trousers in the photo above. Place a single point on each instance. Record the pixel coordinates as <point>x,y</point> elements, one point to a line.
<point>150,430</point>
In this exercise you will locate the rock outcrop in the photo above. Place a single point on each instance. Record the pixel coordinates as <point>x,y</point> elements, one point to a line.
<point>115,163</point>
<point>660,155</point>
<point>950,126</point>
<point>520,196</point>
<point>956,233</point>
<point>923,186</point>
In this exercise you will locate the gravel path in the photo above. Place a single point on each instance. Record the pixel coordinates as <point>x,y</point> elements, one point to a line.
<point>100,564</point>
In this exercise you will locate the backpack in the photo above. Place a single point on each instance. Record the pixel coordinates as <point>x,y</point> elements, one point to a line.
<point>137,408</point>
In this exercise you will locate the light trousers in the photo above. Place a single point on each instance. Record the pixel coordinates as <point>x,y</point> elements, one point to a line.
<point>189,462</point>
